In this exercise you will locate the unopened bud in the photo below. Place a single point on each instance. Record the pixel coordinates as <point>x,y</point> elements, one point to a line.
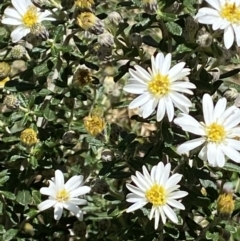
<point>11,102</point>
<point>18,51</point>
<point>39,30</point>
<point>80,229</point>
<point>150,6</point>
<point>107,155</point>
<point>135,40</point>
<point>100,186</point>
<point>28,229</point>
<point>230,94</point>
<point>70,137</point>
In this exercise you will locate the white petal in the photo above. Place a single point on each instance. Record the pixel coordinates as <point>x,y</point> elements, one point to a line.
<point>235,144</point>
<point>74,182</point>
<point>73,209</point>
<point>140,100</point>
<point>48,191</point>
<point>137,76</point>
<point>220,158</point>
<point>176,69</point>
<point>80,191</point>
<point>177,195</point>
<point>203,153</point>
<point>149,107</point>
<point>228,37</point>
<point>175,204</point>
<point>59,179</point>
<point>12,13</point>
<point>46,204</point>
<point>20,6</point>
<point>231,153</point>
<point>173,180</point>
<point>136,206</point>
<point>58,209</point>
<point>142,181</point>
<point>233,120</point>
<point>135,190</point>
<point>211,154</point>
<point>135,88</point>
<point>219,108</point>
<point>169,108</point>
<point>161,109</point>
<point>78,201</point>
<point>157,217</point>
<point>181,75</point>
<point>215,4</point>
<point>207,104</point>
<point>152,212</point>
<point>166,64</point>
<point>170,214</point>
<point>189,145</point>
<point>11,21</point>
<point>180,99</point>
<point>147,175</point>
<point>163,216</point>
<point>159,170</point>
<point>18,33</point>
<point>165,174</point>
<point>133,198</point>
<point>236,29</point>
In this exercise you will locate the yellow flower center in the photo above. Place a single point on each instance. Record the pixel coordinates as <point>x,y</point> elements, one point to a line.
<point>62,195</point>
<point>215,133</point>
<point>30,18</point>
<point>231,12</point>
<point>159,85</point>
<point>156,195</point>
<point>94,124</point>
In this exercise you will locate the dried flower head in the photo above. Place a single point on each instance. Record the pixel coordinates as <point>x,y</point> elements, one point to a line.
<point>11,102</point>
<point>29,137</point>
<point>18,51</point>
<point>94,124</point>
<point>115,18</point>
<point>204,38</point>
<point>89,22</point>
<point>82,77</point>
<point>225,204</point>
<point>230,94</point>
<point>150,6</point>
<point>39,30</point>
<point>5,70</point>
<point>70,137</point>
<point>84,3</point>
<point>106,39</point>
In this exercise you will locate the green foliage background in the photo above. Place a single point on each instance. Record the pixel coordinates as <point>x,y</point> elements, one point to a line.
<point>53,107</point>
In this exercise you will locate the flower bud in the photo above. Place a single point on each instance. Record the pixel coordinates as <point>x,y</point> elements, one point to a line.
<point>70,137</point>
<point>5,70</point>
<point>18,51</point>
<point>107,155</point>
<point>230,94</point>
<point>28,229</point>
<point>225,205</point>
<point>150,6</point>
<point>104,53</point>
<point>100,186</point>
<point>89,22</point>
<point>204,39</point>
<point>104,225</point>
<point>115,18</point>
<point>29,137</point>
<point>135,40</point>
<point>80,229</point>
<point>87,4</point>
<point>11,102</point>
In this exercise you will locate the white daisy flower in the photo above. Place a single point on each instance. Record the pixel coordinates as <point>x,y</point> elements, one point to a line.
<point>25,16</point>
<point>159,87</point>
<point>64,195</point>
<point>224,15</point>
<point>217,132</point>
<point>158,189</point>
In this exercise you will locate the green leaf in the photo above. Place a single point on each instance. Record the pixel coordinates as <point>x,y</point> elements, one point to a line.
<point>3,180</point>
<point>8,195</point>
<point>174,28</point>
<point>24,197</point>
<point>36,197</point>
<point>231,167</point>
<point>150,41</point>
<point>10,234</point>
<point>49,114</point>
<point>2,230</point>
